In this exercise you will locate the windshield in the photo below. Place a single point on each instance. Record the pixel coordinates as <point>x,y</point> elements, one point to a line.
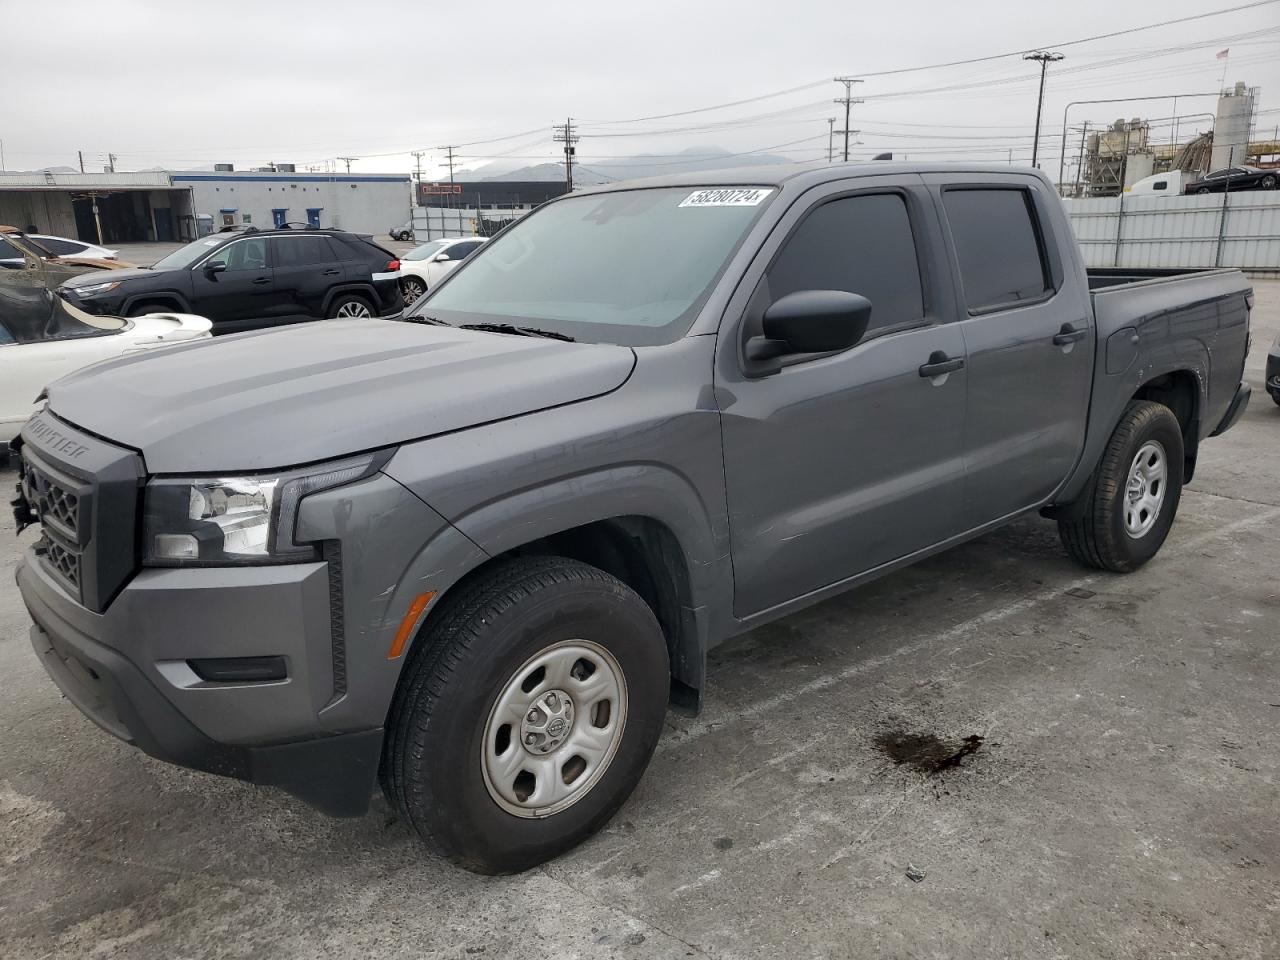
<point>184,257</point>
<point>629,267</point>
<point>425,251</point>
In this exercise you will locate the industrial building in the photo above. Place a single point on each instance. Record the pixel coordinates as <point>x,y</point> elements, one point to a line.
<point>1117,156</point>
<point>182,205</point>
<point>490,194</point>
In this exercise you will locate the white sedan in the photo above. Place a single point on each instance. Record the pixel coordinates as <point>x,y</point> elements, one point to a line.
<point>42,338</point>
<point>425,266</point>
<point>59,247</point>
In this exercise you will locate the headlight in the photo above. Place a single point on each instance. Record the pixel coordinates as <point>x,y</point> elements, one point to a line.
<point>94,289</point>
<point>236,520</point>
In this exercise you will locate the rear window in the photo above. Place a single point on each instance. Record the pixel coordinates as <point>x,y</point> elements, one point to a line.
<point>998,244</point>
<point>62,248</point>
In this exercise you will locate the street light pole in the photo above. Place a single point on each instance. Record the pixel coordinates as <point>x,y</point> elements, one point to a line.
<point>1045,59</point>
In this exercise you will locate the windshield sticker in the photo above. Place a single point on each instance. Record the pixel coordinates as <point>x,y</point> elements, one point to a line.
<point>727,197</point>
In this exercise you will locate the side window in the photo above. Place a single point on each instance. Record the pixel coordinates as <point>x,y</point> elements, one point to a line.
<point>1001,255</point>
<point>461,250</point>
<point>6,337</point>
<point>8,251</point>
<point>244,254</point>
<point>300,251</point>
<point>860,245</point>
<point>1160,185</point>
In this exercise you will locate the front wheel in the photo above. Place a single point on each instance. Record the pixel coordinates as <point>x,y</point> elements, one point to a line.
<point>1203,190</point>
<point>1133,494</point>
<point>413,288</point>
<point>527,713</point>
<point>1268,182</point>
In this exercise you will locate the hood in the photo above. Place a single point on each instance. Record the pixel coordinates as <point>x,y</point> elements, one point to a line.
<point>279,398</point>
<point>119,271</point>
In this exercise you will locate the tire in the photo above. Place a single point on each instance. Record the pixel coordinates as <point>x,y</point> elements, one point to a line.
<point>350,306</point>
<point>1267,183</point>
<point>1275,395</point>
<point>413,288</point>
<point>445,739</point>
<point>1110,535</point>
<point>151,306</point>
<point>1203,190</point>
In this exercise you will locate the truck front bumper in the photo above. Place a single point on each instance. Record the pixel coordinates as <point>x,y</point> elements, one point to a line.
<point>126,669</point>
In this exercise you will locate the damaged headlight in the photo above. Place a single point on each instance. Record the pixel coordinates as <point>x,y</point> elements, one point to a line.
<point>237,520</point>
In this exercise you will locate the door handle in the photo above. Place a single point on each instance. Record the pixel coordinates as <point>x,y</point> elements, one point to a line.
<point>262,280</point>
<point>940,364</point>
<point>330,273</point>
<point>1068,334</point>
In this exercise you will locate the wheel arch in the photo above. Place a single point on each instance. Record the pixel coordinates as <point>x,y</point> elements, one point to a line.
<point>178,301</point>
<point>363,290</point>
<point>1179,390</point>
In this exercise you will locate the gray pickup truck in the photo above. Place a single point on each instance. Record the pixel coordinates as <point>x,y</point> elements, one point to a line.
<point>475,552</point>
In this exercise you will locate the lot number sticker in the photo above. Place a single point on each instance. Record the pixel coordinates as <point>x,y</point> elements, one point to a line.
<point>726,197</point>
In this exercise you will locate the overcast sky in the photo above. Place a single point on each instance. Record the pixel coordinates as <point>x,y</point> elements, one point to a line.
<point>185,84</point>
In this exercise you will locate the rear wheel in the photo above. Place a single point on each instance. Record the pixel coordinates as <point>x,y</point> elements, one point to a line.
<point>349,306</point>
<point>1203,190</point>
<point>1133,494</point>
<point>1268,182</point>
<point>527,713</point>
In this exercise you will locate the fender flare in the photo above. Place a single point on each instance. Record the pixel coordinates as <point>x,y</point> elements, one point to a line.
<point>182,304</point>
<point>366,290</point>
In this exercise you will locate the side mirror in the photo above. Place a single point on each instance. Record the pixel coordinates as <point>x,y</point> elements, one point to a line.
<point>810,321</point>
<point>441,258</point>
<point>214,266</point>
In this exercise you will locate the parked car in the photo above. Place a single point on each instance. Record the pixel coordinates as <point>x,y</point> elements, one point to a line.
<point>21,255</point>
<point>425,266</point>
<point>248,279</point>
<point>65,247</point>
<point>1235,178</point>
<point>1273,370</point>
<point>42,337</point>
<point>473,552</point>
<point>402,232</point>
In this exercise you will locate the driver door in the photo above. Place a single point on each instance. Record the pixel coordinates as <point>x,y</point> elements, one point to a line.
<point>242,297</point>
<point>838,463</point>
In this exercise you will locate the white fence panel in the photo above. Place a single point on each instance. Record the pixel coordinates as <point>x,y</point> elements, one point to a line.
<point>434,223</point>
<point>1192,232</point>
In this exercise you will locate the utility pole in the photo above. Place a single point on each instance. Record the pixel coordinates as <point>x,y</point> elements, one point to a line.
<point>1045,59</point>
<point>80,153</point>
<point>1084,134</point>
<point>564,134</point>
<point>848,101</point>
<point>347,161</point>
<point>449,151</point>
<point>831,132</point>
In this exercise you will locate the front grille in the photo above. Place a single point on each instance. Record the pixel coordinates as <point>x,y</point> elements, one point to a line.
<point>62,561</point>
<point>85,493</point>
<point>62,504</point>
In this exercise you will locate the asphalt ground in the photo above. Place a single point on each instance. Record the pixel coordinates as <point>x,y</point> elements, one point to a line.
<point>831,800</point>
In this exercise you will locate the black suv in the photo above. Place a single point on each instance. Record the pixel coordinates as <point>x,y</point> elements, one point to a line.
<point>247,279</point>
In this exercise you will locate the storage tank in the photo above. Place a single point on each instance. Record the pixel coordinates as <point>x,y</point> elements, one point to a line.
<point>1231,128</point>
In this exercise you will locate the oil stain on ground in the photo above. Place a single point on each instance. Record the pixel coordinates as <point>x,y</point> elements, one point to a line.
<point>925,752</point>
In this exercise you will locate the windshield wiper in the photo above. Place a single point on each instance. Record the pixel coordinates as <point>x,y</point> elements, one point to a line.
<point>422,318</point>
<point>512,328</point>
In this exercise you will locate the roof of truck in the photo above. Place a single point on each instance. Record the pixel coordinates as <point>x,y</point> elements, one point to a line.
<point>807,174</point>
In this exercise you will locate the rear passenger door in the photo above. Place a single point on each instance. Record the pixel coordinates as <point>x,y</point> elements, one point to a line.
<point>306,268</point>
<point>1028,332</point>
<point>838,463</point>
